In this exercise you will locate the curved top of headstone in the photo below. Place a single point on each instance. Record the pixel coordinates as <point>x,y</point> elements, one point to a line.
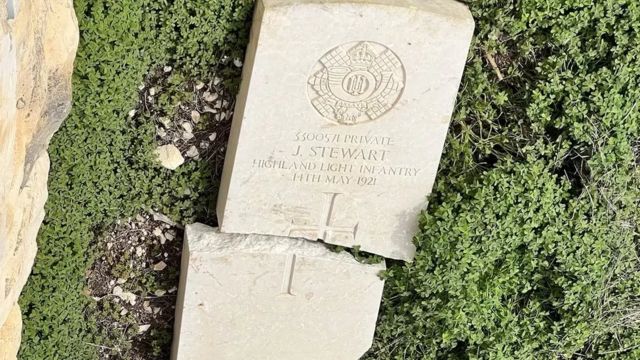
<point>446,8</point>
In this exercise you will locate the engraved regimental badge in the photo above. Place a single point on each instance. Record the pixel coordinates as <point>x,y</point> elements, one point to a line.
<point>356,82</point>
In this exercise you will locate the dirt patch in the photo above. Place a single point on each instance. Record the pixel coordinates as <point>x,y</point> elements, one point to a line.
<point>134,283</point>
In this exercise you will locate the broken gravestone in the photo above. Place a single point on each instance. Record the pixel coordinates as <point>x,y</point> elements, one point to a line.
<point>341,119</point>
<point>272,298</point>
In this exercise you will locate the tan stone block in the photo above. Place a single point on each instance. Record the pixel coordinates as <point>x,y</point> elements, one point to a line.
<point>272,298</point>
<point>38,41</point>
<point>10,334</point>
<point>341,119</point>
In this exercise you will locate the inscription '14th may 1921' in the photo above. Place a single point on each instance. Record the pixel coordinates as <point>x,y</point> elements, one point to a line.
<point>336,158</point>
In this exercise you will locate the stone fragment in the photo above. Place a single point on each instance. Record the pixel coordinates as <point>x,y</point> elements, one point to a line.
<point>272,298</point>
<point>163,218</point>
<point>169,156</point>
<point>38,42</point>
<point>192,152</point>
<point>352,156</point>
<point>187,127</point>
<point>124,295</point>
<point>143,328</point>
<point>160,266</point>
<point>195,116</point>
<point>210,97</point>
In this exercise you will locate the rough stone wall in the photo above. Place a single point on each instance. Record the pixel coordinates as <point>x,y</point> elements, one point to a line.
<point>38,42</point>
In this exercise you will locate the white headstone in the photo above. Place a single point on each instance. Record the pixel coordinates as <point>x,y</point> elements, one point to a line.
<point>341,119</point>
<point>270,298</point>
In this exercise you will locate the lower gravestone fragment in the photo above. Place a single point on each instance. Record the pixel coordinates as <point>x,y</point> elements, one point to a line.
<point>341,119</point>
<point>272,298</point>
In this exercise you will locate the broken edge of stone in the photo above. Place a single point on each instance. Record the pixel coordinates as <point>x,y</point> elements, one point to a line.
<point>200,238</point>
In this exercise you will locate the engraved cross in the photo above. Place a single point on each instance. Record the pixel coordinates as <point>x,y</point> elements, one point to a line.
<point>325,229</point>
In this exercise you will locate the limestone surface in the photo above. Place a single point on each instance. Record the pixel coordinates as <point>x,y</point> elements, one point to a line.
<point>272,298</point>
<point>38,42</point>
<point>341,119</point>
<point>10,335</point>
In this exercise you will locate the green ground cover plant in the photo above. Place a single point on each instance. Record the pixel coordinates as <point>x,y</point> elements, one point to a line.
<point>529,246</point>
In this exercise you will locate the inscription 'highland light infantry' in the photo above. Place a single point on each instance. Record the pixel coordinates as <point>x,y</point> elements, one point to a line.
<point>356,82</point>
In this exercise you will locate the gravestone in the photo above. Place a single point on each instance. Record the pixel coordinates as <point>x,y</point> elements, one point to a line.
<point>341,119</point>
<point>272,298</point>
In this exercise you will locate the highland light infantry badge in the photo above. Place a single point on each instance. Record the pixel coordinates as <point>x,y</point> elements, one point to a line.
<point>356,82</point>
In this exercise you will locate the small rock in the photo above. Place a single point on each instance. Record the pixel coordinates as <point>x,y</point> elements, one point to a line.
<point>210,97</point>
<point>160,266</point>
<point>199,85</point>
<point>187,135</point>
<point>162,240</point>
<point>112,282</point>
<point>121,281</point>
<point>124,312</point>
<point>165,122</point>
<point>217,80</point>
<point>161,133</point>
<point>126,296</point>
<point>147,307</point>
<point>169,156</point>
<point>187,127</point>
<point>237,62</point>
<point>141,87</point>
<point>208,109</point>
<point>172,290</point>
<point>139,251</point>
<point>143,328</point>
<point>192,152</point>
<point>132,113</point>
<point>213,137</point>
<point>218,104</point>
<point>160,293</point>
<point>170,235</point>
<point>204,145</point>
<point>156,310</point>
<point>167,69</point>
<point>109,246</point>
<point>152,91</point>
<point>163,218</point>
<point>157,232</point>
<point>140,218</point>
<point>195,116</point>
